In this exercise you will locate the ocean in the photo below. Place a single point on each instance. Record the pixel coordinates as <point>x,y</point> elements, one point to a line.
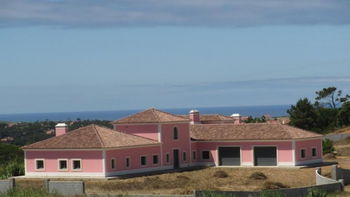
<point>255,111</point>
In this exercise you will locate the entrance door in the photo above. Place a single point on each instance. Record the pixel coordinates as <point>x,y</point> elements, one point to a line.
<point>265,156</point>
<point>229,156</point>
<point>176,158</point>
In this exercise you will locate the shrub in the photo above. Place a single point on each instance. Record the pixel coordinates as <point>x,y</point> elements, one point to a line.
<point>220,174</point>
<point>271,194</point>
<point>327,146</point>
<point>313,192</point>
<point>258,176</point>
<point>274,185</point>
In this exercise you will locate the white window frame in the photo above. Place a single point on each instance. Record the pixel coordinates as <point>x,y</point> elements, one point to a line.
<point>59,165</point>
<point>141,160</point>
<point>157,159</point>
<point>36,165</point>
<point>113,160</point>
<point>301,155</point>
<point>81,165</point>
<point>312,148</point>
<point>129,159</point>
<point>167,157</point>
<point>202,155</point>
<point>177,133</point>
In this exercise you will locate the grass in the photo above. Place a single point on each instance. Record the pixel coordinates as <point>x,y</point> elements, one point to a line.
<point>29,192</point>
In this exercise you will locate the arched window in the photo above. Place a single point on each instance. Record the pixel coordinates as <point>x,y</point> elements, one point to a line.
<point>175,133</point>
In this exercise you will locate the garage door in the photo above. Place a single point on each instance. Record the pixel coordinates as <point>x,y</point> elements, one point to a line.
<point>229,156</point>
<point>265,156</point>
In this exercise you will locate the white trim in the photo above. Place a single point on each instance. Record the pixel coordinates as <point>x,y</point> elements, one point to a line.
<point>314,147</point>
<point>64,174</point>
<point>253,153</point>
<point>140,164</point>
<point>113,160</point>
<point>59,165</point>
<point>285,164</point>
<point>138,170</point>
<point>293,152</point>
<point>250,164</point>
<point>160,139</point>
<point>104,170</point>
<point>301,155</point>
<point>155,164</point>
<point>127,158</point>
<point>228,146</point>
<point>36,165</point>
<point>167,161</point>
<point>25,162</point>
<point>201,155</point>
<point>81,165</point>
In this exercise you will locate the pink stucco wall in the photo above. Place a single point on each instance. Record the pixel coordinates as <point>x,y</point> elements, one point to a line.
<point>134,154</point>
<point>284,150</point>
<point>308,145</point>
<point>182,143</point>
<point>145,130</point>
<point>91,160</point>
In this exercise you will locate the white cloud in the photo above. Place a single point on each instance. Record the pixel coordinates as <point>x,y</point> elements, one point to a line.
<point>89,13</point>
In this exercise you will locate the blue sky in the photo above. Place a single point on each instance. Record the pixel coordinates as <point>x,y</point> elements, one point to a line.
<point>58,55</point>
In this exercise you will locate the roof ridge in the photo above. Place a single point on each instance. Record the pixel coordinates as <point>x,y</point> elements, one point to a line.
<point>179,116</point>
<point>98,135</point>
<point>153,110</point>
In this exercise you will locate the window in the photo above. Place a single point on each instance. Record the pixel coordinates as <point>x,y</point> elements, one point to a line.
<point>127,162</point>
<point>184,156</point>
<point>76,164</point>
<point>167,158</point>
<point>302,153</point>
<point>63,164</point>
<point>143,160</point>
<point>113,163</point>
<point>314,152</point>
<point>39,164</point>
<point>175,133</point>
<point>155,159</point>
<point>194,155</point>
<point>205,155</point>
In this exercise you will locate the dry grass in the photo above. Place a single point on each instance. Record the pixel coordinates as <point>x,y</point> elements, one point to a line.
<point>204,179</point>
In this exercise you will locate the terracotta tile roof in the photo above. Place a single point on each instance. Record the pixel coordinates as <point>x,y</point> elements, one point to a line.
<point>91,137</point>
<point>151,116</point>
<point>207,117</point>
<point>251,131</point>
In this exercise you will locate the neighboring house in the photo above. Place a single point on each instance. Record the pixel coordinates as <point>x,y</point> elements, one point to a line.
<point>153,140</point>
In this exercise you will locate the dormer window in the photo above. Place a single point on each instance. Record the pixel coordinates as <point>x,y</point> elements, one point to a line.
<point>175,133</point>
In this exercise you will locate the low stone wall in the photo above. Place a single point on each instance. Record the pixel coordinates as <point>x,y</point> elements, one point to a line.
<point>321,180</point>
<point>6,185</point>
<point>66,188</point>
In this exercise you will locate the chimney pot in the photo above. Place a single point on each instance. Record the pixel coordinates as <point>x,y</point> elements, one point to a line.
<point>194,116</point>
<point>61,128</point>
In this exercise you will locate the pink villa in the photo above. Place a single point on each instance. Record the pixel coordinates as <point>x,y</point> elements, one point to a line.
<point>154,140</point>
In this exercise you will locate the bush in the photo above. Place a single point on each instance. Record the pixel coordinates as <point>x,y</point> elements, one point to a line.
<point>327,146</point>
<point>13,168</point>
<point>313,192</point>
<point>274,185</point>
<point>258,176</point>
<point>220,174</point>
<point>271,194</point>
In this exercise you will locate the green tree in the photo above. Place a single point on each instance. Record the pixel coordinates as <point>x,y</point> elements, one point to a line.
<point>343,117</point>
<point>303,115</point>
<point>330,97</point>
<point>327,146</point>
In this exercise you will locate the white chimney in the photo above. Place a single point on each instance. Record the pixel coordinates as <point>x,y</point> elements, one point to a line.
<point>236,118</point>
<point>194,116</point>
<point>61,128</point>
